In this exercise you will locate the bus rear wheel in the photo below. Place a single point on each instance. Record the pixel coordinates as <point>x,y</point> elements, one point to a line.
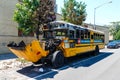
<point>57,59</point>
<point>96,50</point>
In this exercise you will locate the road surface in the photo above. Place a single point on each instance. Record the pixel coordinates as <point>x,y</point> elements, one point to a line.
<point>105,66</point>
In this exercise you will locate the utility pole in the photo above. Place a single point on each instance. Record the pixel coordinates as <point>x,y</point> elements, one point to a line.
<point>96,9</point>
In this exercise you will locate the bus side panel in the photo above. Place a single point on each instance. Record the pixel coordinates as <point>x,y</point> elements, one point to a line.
<point>101,46</point>
<point>83,49</point>
<point>78,50</point>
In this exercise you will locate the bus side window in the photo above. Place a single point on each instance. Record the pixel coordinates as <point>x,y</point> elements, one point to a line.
<point>82,34</point>
<point>85,34</point>
<point>62,25</point>
<point>95,36</point>
<point>92,37</point>
<point>68,25</point>
<point>77,34</point>
<point>99,36</point>
<point>88,35</point>
<point>103,37</point>
<point>71,34</point>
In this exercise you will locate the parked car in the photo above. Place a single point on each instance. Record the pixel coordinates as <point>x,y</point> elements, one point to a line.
<point>114,44</point>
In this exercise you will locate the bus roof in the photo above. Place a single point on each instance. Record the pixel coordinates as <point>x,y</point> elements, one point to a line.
<point>78,26</point>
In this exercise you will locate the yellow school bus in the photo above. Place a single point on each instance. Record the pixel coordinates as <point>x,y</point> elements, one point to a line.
<point>60,40</point>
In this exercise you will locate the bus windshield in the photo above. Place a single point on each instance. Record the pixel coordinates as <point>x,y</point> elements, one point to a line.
<point>58,34</point>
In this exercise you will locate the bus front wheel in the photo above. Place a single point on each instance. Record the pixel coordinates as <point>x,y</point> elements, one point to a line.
<point>57,59</point>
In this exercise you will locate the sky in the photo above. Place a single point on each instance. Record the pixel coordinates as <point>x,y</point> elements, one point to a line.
<point>108,12</point>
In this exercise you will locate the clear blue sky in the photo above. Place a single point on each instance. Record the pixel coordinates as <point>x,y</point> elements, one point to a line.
<point>104,14</point>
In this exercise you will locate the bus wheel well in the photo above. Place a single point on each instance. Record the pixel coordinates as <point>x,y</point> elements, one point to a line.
<point>97,49</point>
<point>57,59</point>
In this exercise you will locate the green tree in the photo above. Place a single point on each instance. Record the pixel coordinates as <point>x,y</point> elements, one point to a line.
<point>115,30</point>
<point>74,12</point>
<point>117,36</point>
<point>24,15</point>
<point>31,15</point>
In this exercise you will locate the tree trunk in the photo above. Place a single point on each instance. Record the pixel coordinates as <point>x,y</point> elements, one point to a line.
<point>37,32</point>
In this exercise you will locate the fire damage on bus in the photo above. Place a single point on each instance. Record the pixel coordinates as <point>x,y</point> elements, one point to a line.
<point>60,41</point>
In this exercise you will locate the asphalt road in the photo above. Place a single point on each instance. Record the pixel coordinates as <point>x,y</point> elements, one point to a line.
<point>105,66</point>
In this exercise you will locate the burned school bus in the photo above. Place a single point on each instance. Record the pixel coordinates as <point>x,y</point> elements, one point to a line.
<point>61,40</point>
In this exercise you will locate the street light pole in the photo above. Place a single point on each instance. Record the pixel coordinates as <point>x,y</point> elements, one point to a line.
<point>95,11</point>
<point>94,17</point>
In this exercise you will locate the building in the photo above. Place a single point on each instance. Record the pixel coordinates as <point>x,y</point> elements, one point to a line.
<point>58,16</point>
<point>8,28</point>
<point>7,25</point>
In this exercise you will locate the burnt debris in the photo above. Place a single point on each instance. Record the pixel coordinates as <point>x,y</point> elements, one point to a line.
<point>20,44</point>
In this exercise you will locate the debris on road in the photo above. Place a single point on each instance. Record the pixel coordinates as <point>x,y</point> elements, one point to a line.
<point>41,70</point>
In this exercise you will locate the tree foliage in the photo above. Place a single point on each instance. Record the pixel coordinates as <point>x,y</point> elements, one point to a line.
<point>31,14</point>
<point>45,13</point>
<point>115,30</point>
<point>74,12</point>
<point>117,36</point>
<point>24,15</point>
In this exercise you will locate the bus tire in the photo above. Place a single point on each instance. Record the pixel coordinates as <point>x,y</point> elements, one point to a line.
<point>96,50</point>
<point>57,59</point>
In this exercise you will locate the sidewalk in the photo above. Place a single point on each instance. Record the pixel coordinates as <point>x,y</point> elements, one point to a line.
<point>10,65</point>
<point>7,56</point>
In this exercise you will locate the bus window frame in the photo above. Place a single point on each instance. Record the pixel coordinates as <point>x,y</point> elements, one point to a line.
<point>82,34</point>
<point>78,33</point>
<point>71,34</point>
